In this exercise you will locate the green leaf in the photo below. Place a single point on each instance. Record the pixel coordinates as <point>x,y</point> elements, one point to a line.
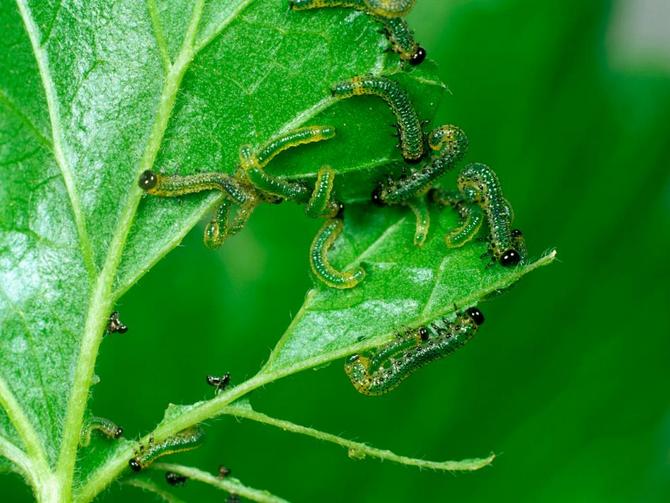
<point>93,94</point>
<point>406,286</point>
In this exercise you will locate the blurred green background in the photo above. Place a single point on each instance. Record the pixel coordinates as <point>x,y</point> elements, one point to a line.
<point>568,381</point>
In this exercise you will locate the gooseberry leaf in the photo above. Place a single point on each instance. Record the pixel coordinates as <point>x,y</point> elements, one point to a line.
<point>91,95</point>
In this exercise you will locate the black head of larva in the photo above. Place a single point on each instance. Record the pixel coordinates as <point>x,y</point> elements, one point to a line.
<point>423,333</point>
<point>135,465</point>
<point>148,180</point>
<point>418,57</point>
<point>118,432</point>
<point>510,258</point>
<point>475,315</point>
<point>516,233</point>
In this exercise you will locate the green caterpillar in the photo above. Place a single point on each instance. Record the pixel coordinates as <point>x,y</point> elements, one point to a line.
<point>320,264</point>
<point>409,125</point>
<point>108,428</point>
<point>382,370</point>
<point>478,184</point>
<point>185,440</point>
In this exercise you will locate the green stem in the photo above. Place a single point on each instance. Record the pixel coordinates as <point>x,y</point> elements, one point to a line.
<point>102,299</point>
<point>357,449</point>
<point>228,484</point>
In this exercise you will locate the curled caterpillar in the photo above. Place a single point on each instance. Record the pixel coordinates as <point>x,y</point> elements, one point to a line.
<point>108,428</point>
<point>382,370</point>
<point>318,258</point>
<point>185,440</point>
<point>409,126</point>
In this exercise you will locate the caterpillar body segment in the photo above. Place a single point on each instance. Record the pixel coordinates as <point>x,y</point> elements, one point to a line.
<point>321,203</point>
<point>276,186</point>
<point>472,218</point>
<point>320,265</point>
<point>409,125</point>
<point>226,223</point>
<point>419,207</point>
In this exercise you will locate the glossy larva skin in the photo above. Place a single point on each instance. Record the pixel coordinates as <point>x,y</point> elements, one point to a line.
<point>318,258</point>
<point>384,369</point>
<point>185,440</point>
<point>102,425</point>
<point>408,123</point>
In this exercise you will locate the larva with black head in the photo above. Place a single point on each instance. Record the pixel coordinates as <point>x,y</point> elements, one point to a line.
<point>100,424</point>
<point>480,185</point>
<point>185,440</point>
<point>383,370</point>
<point>409,125</point>
<point>379,8</point>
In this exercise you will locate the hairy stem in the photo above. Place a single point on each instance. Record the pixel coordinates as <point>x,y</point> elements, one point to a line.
<point>228,484</point>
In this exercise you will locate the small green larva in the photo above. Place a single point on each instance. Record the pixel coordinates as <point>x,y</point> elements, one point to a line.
<point>320,265</point>
<point>301,136</point>
<point>384,369</point>
<point>409,126</point>
<point>157,184</point>
<point>379,8</point>
<point>479,185</point>
<point>447,146</point>
<point>185,440</point>
<point>108,428</point>
<point>320,203</point>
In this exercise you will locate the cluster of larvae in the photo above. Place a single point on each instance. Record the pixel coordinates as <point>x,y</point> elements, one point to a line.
<point>477,198</point>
